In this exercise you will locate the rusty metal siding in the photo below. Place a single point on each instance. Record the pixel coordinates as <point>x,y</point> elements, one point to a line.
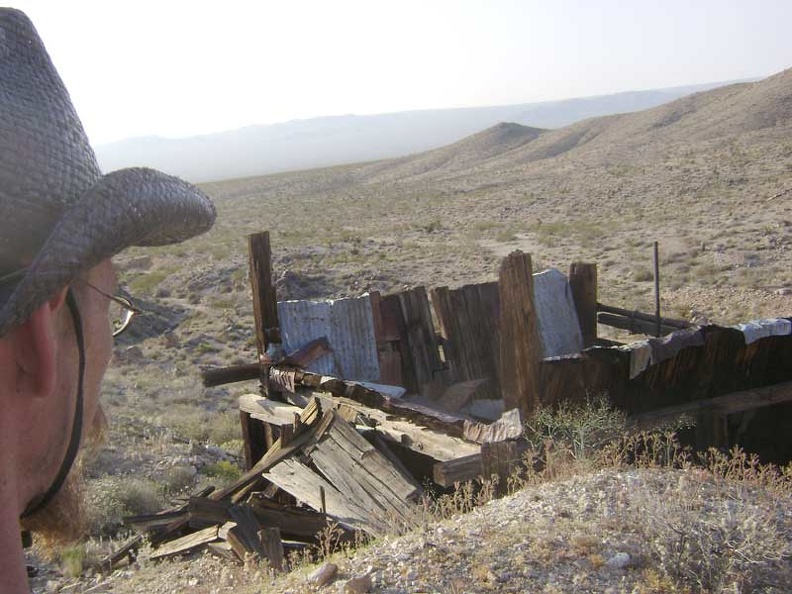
<point>348,325</point>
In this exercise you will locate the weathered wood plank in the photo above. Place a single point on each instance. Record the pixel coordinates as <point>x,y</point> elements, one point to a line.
<point>311,430</point>
<point>244,537</point>
<point>272,545</point>
<point>673,322</point>
<point>434,443</point>
<point>520,347</point>
<point>509,426</point>
<point>499,460</point>
<point>253,438</point>
<point>419,352</point>
<point>468,318</point>
<point>727,404</point>
<point>265,303</point>
<point>186,543</point>
<point>633,324</point>
<point>583,282</point>
<point>294,523</point>
<point>362,466</point>
<point>448,423</point>
<point>458,470</point>
<point>304,484</point>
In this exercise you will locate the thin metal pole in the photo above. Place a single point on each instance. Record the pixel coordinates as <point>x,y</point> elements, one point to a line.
<point>657,287</point>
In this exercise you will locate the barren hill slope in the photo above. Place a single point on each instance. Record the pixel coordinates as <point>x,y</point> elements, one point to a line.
<point>725,113</point>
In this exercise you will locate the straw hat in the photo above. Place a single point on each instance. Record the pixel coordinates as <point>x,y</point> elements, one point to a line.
<point>58,214</point>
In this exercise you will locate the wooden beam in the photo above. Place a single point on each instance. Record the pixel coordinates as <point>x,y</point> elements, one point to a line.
<point>634,325</point>
<point>273,547</point>
<point>253,438</point>
<point>520,348</point>
<point>458,470</point>
<point>583,282</point>
<point>675,323</point>
<point>186,543</point>
<point>449,423</point>
<point>727,404</point>
<point>436,444</point>
<point>499,460</point>
<point>265,303</point>
<point>217,376</point>
<point>470,468</point>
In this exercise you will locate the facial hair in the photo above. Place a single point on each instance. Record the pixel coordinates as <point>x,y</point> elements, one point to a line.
<point>63,522</point>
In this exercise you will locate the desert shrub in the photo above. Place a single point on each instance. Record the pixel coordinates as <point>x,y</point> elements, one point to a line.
<point>72,560</point>
<point>642,275</point>
<point>581,429</point>
<point>179,479</point>
<point>110,498</point>
<point>708,543</point>
<point>223,470</point>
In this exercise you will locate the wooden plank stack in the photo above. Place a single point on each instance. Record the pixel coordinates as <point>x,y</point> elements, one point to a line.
<point>334,464</point>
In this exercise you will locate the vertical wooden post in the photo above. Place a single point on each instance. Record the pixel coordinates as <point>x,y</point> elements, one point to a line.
<point>265,303</point>
<point>520,346</point>
<point>253,438</point>
<point>658,331</point>
<point>499,459</point>
<point>583,282</point>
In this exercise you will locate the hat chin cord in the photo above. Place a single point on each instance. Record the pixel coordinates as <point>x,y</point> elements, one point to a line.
<point>41,501</point>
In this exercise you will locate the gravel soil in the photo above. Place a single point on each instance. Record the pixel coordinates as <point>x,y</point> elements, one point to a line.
<point>605,532</point>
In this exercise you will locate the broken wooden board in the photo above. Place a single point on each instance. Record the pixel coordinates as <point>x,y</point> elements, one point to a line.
<point>430,442</point>
<point>520,345</point>
<point>310,425</point>
<point>468,318</point>
<point>269,411</point>
<point>509,426</point>
<point>295,523</point>
<point>417,344</point>
<point>473,467</point>
<point>186,543</point>
<point>448,423</point>
<point>360,486</point>
<point>305,485</point>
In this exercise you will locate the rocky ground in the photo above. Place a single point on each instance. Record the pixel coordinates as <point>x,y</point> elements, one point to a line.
<point>611,531</point>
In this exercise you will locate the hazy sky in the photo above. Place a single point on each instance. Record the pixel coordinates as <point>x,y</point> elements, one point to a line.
<point>174,68</point>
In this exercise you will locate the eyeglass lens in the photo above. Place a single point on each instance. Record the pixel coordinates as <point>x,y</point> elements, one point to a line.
<point>120,315</point>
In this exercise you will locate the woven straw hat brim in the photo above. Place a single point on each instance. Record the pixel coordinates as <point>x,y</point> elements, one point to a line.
<point>130,207</point>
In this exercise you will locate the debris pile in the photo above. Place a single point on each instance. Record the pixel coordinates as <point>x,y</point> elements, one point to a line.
<point>350,460</point>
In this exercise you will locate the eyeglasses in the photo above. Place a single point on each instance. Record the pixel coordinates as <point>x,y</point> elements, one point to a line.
<point>121,310</point>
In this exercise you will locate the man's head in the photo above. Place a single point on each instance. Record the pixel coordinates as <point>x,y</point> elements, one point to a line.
<point>61,221</point>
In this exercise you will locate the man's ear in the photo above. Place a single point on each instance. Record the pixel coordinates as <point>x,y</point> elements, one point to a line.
<point>36,348</point>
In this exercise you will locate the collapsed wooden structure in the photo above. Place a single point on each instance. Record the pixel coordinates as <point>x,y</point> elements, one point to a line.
<point>374,398</point>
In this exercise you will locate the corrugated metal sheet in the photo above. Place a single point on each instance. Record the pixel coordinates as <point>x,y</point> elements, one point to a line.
<point>556,316</point>
<point>348,325</point>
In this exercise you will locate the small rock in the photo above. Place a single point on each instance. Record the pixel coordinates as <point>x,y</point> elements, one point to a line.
<point>619,561</point>
<point>358,585</point>
<point>324,574</point>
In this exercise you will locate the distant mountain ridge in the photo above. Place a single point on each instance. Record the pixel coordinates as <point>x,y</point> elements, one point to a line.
<point>326,141</point>
<point>763,107</point>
